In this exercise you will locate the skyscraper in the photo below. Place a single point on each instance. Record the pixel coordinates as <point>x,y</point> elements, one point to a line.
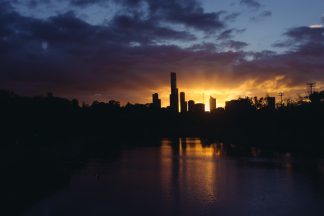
<point>191,106</point>
<point>212,104</point>
<point>156,102</point>
<point>183,102</point>
<point>174,96</point>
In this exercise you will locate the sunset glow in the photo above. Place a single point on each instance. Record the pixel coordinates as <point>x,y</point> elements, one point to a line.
<point>249,88</point>
<point>216,48</point>
<point>162,107</point>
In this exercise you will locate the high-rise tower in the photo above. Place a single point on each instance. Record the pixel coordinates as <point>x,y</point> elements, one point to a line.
<point>156,102</point>
<point>183,103</point>
<point>212,104</point>
<point>191,106</point>
<point>174,96</point>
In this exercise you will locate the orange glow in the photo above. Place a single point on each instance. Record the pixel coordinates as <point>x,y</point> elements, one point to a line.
<point>198,167</point>
<point>201,90</point>
<point>192,147</point>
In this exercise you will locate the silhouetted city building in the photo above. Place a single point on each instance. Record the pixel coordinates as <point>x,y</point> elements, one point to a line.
<point>156,102</point>
<point>271,102</point>
<point>199,107</point>
<point>191,106</point>
<point>183,102</point>
<point>174,96</point>
<point>220,110</point>
<point>212,104</point>
<point>241,104</point>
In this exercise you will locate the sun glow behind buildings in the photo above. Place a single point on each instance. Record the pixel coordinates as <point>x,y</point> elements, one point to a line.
<point>200,91</point>
<point>201,88</point>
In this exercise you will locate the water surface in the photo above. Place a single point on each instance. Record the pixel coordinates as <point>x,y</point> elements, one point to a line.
<point>186,177</point>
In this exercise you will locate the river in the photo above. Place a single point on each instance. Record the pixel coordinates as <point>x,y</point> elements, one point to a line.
<point>187,177</point>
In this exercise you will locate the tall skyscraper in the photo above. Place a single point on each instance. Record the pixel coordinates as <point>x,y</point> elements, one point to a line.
<point>174,96</point>
<point>156,102</point>
<point>212,104</point>
<point>183,102</point>
<point>191,106</point>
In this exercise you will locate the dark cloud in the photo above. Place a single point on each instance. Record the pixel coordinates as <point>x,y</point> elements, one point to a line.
<point>81,3</point>
<point>189,13</point>
<point>303,62</point>
<point>229,33</point>
<point>132,28</point>
<point>300,38</point>
<point>75,49</point>
<point>131,54</point>
<point>86,2</point>
<point>235,45</point>
<point>232,16</point>
<point>30,3</point>
<point>210,47</point>
<point>262,15</point>
<point>306,35</point>
<point>255,4</point>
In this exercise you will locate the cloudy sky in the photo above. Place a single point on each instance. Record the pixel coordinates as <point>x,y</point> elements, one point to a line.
<point>125,49</point>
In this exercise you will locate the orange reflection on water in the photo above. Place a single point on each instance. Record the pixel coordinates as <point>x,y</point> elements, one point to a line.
<point>191,147</point>
<point>188,166</point>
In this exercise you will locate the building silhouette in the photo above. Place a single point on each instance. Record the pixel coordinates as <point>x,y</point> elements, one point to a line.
<point>199,107</point>
<point>183,102</point>
<point>156,102</point>
<point>212,104</point>
<point>271,103</point>
<point>174,96</point>
<point>191,106</point>
<point>238,105</point>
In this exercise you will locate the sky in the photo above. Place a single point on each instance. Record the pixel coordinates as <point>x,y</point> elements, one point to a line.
<point>125,49</point>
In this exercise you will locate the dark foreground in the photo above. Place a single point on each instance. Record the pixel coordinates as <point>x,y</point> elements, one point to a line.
<point>176,177</point>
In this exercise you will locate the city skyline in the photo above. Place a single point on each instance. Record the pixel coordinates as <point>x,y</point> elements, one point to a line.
<point>162,107</point>
<point>123,50</point>
<point>179,103</point>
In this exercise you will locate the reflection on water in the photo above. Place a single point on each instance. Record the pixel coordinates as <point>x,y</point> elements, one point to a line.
<point>188,177</point>
<point>191,147</point>
<point>189,169</point>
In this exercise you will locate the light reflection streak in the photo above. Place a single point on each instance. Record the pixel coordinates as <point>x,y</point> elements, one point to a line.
<point>189,167</point>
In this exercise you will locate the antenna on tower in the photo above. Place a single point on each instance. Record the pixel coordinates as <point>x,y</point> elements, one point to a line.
<point>311,87</point>
<point>281,94</point>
